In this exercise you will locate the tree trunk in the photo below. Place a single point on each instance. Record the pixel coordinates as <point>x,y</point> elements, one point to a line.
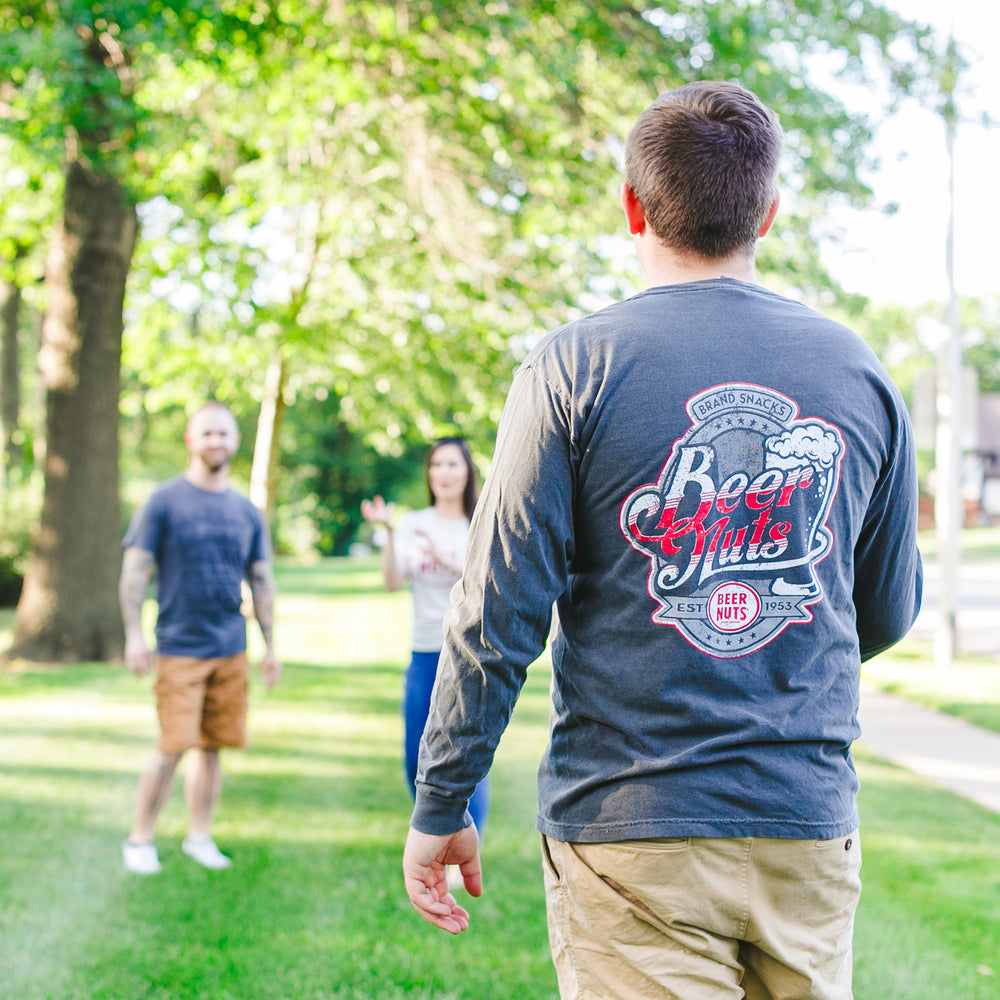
<point>37,401</point>
<point>266,448</point>
<point>68,610</point>
<point>10,376</point>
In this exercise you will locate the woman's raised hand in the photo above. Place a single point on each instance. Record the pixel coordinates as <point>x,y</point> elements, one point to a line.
<point>377,511</point>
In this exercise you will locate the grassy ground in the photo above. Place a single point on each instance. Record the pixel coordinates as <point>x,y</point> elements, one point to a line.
<point>314,814</point>
<point>970,687</point>
<point>978,544</point>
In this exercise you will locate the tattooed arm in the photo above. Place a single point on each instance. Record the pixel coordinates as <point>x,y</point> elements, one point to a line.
<point>262,590</point>
<point>138,567</point>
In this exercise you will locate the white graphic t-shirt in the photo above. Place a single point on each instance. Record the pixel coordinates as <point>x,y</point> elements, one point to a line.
<point>419,536</point>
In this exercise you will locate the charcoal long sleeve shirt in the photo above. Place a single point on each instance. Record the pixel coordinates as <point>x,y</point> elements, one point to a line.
<point>717,487</point>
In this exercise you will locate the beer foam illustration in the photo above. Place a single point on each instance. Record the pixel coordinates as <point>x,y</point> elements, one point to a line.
<point>804,444</point>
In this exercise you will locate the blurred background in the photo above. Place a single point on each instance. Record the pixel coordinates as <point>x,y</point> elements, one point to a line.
<point>350,220</point>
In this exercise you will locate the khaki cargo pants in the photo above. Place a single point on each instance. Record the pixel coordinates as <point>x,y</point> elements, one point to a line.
<point>703,918</point>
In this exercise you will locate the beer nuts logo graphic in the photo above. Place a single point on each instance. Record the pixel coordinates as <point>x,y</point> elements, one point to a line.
<point>737,519</point>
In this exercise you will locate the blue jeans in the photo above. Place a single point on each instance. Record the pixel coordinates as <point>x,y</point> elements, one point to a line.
<point>416,705</point>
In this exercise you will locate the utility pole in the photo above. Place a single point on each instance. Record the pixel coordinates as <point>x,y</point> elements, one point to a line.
<point>948,505</point>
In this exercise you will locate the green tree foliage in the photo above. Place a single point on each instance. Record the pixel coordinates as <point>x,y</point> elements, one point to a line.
<point>28,200</point>
<point>71,97</point>
<point>400,198</point>
<point>981,326</point>
<point>908,339</point>
<point>403,197</point>
<point>328,471</point>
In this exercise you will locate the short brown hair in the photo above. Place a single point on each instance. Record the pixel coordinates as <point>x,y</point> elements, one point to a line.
<point>702,160</point>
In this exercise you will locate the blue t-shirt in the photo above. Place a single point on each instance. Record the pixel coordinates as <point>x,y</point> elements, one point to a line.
<point>204,545</point>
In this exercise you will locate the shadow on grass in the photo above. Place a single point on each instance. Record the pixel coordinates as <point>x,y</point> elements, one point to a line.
<point>130,743</point>
<point>313,907</point>
<point>337,694</point>
<point>294,920</point>
<point>24,677</point>
<point>333,577</point>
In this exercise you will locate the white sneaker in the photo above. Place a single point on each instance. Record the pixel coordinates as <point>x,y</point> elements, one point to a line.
<point>205,852</point>
<point>140,859</point>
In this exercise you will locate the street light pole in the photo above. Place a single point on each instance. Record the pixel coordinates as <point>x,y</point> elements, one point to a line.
<point>948,505</point>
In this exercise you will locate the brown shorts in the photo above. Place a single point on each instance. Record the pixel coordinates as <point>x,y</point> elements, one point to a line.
<point>201,703</point>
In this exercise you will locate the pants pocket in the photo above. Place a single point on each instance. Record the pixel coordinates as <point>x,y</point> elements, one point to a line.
<point>548,862</point>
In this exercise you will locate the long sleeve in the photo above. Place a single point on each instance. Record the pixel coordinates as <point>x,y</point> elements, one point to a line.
<point>516,565</point>
<point>888,578</point>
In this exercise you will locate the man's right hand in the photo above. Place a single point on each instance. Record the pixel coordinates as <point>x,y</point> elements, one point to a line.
<point>138,656</point>
<point>425,861</point>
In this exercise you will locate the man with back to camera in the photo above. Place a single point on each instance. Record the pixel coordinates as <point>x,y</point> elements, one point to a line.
<point>202,539</point>
<point>718,487</point>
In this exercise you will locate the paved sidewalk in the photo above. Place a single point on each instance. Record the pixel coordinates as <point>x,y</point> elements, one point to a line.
<point>946,750</point>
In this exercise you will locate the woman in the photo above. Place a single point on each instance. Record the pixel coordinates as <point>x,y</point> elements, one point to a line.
<point>427,548</point>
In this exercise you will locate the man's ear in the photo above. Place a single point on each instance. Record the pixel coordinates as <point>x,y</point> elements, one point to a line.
<point>771,213</point>
<point>634,214</point>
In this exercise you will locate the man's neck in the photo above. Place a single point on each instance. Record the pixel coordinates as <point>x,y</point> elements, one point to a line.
<point>664,266</point>
<point>211,480</point>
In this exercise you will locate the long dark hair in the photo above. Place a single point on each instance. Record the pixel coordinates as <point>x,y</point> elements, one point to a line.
<point>470,495</point>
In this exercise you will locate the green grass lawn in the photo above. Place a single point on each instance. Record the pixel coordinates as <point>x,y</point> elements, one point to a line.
<point>970,687</point>
<point>314,814</point>
<point>978,544</point>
